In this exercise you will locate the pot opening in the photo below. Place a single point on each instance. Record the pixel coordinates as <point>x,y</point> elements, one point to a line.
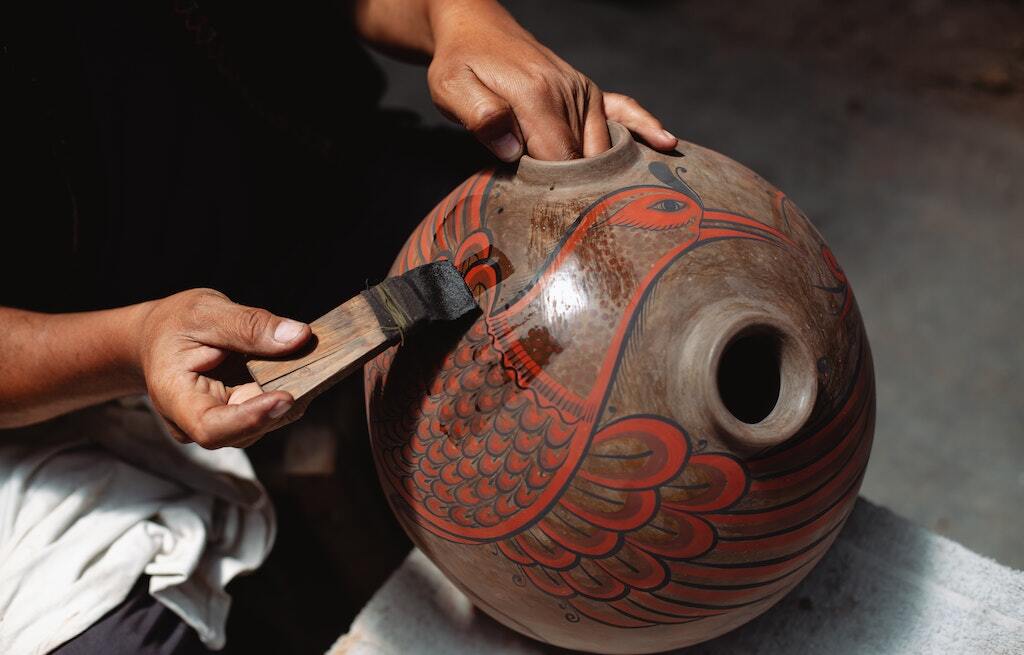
<point>750,374</point>
<point>622,156</point>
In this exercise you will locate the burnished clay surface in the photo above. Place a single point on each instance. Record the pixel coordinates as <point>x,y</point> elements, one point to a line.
<point>660,419</point>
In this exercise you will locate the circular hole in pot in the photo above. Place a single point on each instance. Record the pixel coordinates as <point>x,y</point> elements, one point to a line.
<point>749,374</point>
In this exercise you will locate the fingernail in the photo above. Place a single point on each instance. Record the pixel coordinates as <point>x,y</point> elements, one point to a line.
<point>287,330</point>
<point>506,147</point>
<point>280,409</point>
<point>669,135</point>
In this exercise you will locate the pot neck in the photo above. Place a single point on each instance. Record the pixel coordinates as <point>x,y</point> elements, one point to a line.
<point>625,151</point>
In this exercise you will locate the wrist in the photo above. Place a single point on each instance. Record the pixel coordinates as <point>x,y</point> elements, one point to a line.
<point>128,330</point>
<point>448,19</point>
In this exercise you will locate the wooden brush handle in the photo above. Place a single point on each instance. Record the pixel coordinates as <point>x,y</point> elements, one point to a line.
<point>343,340</point>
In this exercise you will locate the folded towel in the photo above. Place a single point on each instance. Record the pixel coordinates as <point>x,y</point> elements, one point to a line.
<point>92,500</point>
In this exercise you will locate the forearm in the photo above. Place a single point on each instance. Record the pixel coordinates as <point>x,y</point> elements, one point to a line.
<point>51,364</point>
<point>410,28</point>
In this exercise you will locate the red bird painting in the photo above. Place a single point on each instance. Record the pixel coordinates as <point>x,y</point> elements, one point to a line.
<point>628,520</point>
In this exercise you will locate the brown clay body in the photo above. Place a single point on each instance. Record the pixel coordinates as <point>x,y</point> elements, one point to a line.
<point>660,419</point>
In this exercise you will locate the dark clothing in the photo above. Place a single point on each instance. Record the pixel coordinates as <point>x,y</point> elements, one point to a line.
<point>138,626</point>
<point>156,148</point>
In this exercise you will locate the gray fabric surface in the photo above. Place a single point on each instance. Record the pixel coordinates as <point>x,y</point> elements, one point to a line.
<point>886,586</point>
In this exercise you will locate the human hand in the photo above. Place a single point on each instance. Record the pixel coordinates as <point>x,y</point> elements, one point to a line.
<point>183,337</point>
<point>495,78</point>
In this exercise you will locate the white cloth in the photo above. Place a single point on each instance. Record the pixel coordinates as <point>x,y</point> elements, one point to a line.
<point>92,500</point>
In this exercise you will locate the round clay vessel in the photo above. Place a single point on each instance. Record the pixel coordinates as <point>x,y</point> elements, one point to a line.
<point>659,420</point>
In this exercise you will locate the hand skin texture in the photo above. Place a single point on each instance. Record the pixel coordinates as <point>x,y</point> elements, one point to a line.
<point>56,363</point>
<point>489,74</point>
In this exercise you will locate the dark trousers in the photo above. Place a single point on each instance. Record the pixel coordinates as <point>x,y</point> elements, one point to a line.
<point>138,626</point>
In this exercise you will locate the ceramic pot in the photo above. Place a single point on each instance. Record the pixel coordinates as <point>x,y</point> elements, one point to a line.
<point>660,419</point>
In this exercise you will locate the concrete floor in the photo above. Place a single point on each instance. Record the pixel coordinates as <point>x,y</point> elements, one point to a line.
<point>923,204</point>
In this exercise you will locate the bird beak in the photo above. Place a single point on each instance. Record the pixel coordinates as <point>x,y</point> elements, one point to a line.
<point>724,225</point>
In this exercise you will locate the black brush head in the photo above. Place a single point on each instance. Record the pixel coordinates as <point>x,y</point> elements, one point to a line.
<point>430,293</point>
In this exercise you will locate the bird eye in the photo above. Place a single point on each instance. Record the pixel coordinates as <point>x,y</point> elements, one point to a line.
<point>667,205</point>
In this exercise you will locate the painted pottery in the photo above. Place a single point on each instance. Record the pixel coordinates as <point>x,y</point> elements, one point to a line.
<point>659,420</point>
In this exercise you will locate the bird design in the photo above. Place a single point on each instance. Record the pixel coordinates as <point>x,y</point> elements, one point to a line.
<point>626,520</point>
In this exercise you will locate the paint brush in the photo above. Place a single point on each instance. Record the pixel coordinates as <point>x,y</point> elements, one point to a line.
<point>358,330</point>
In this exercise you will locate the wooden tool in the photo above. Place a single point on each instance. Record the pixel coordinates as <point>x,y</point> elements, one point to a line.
<point>358,330</point>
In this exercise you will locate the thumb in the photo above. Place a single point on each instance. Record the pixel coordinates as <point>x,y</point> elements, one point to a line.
<point>462,97</point>
<point>248,330</point>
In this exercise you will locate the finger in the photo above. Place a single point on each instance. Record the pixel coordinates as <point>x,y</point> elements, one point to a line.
<point>212,424</point>
<point>247,442</point>
<point>595,128</point>
<point>244,392</point>
<point>176,433</point>
<point>550,131</point>
<point>627,111</point>
<point>291,416</point>
<point>462,97</point>
<point>248,330</point>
